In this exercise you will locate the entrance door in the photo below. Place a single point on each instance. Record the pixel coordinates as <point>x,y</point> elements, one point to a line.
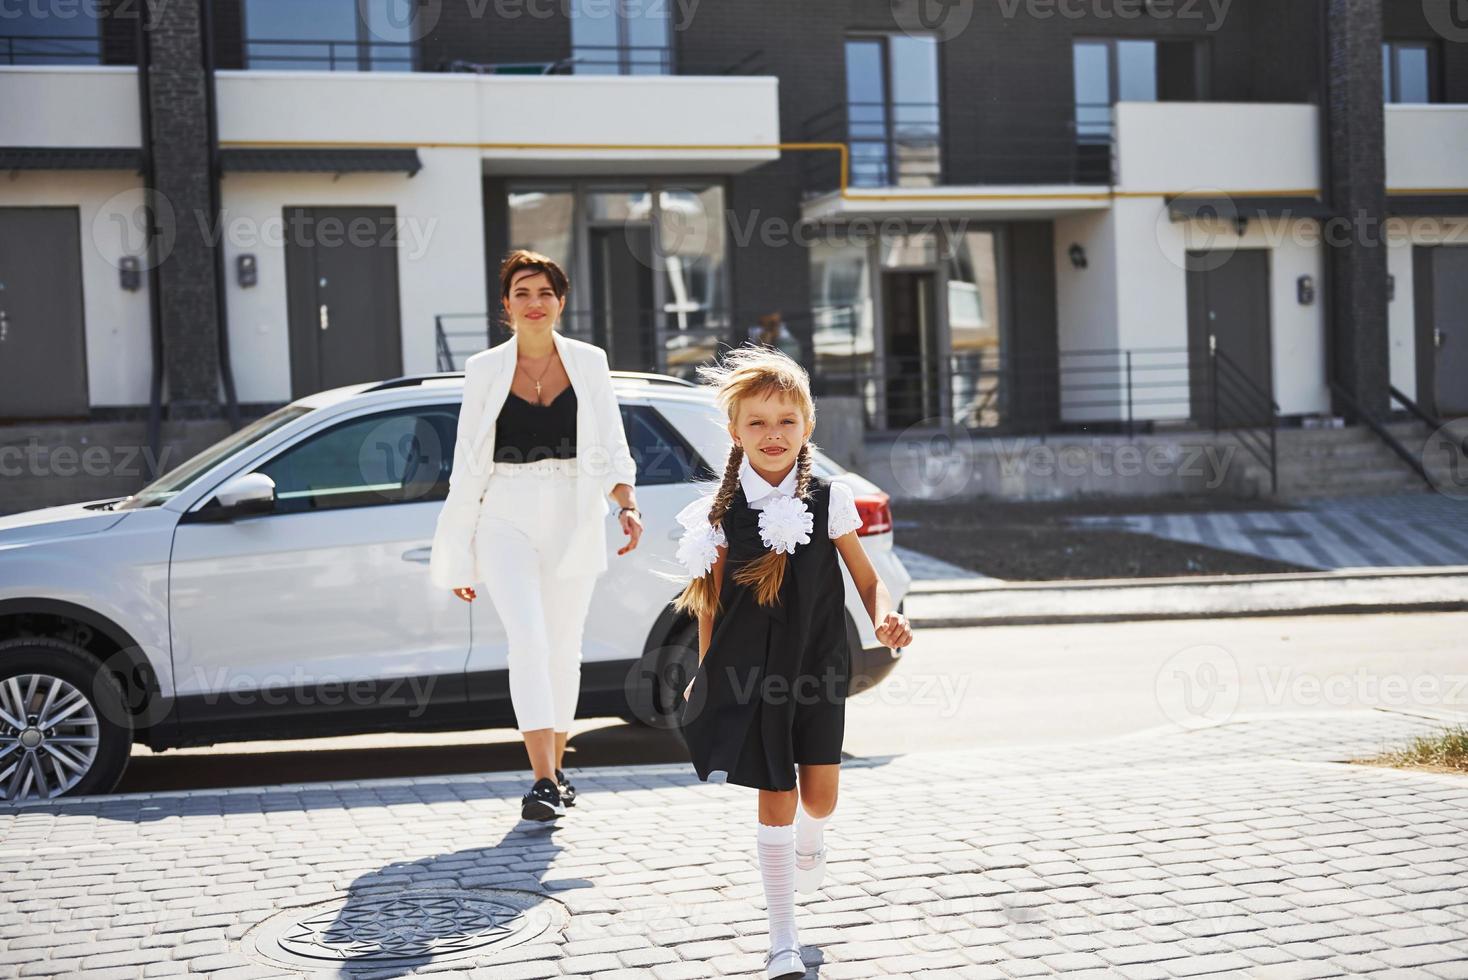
<point>621,281</point>
<point>1228,305</point>
<point>1442,329</point>
<point>43,364</point>
<point>911,347</point>
<point>342,294</point>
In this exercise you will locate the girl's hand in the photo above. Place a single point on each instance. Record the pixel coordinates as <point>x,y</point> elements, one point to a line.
<point>893,631</point>
<point>466,593</point>
<point>632,527</point>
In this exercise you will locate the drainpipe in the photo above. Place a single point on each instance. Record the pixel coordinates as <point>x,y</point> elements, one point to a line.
<point>226,372</point>
<point>150,243</point>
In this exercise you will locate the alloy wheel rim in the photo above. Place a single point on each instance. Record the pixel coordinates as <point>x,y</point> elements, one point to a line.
<point>49,734</point>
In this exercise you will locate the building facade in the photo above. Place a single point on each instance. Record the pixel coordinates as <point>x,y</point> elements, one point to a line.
<point>1015,217</point>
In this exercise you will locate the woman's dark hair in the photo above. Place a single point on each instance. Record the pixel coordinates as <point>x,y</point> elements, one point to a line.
<point>521,260</point>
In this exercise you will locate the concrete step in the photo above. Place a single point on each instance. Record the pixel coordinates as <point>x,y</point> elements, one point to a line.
<point>1350,433</point>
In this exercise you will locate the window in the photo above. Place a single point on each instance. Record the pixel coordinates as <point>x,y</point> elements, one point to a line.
<point>541,220</point>
<point>1111,70</point>
<point>170,483</point>
<point>661,454</point>
<point>51,34</point>
<point>842,320</point>
<point>1409,71</point>
<point>402,456</point>
<point>1107,72</point>
<point>621,38</point>
<point>690,252</point>
<point>330,35</point>
<point>893,110</point>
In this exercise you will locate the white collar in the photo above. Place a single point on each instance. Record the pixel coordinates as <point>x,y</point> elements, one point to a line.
<point>757,488</point>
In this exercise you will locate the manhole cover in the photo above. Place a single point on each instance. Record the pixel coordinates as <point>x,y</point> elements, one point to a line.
<point>405,926</point>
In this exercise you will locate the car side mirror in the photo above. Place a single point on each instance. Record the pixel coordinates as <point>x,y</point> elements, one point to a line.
<point>246,494</point>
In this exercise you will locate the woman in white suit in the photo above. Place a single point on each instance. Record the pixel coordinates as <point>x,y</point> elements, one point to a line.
<point>540,447</point>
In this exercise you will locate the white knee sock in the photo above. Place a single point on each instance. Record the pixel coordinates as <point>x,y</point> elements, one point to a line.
<point>809,832</point>
<point>776,846</point>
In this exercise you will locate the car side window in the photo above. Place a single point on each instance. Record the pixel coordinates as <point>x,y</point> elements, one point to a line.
<point>661,454</point>
<point>401,456</point>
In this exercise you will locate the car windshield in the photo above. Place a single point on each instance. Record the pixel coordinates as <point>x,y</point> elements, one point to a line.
<point>181,476</point>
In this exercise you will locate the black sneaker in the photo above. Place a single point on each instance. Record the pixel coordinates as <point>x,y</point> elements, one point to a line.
<point>568,792</point>
<point>543,802</point>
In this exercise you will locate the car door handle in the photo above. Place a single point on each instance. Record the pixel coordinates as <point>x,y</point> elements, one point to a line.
<point>420,555</point>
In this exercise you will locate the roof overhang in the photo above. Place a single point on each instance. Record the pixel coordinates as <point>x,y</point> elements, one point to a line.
<point>71,158</point>
<point>318,160</point>
<point>1427,205</point>
<point>1187,207</point>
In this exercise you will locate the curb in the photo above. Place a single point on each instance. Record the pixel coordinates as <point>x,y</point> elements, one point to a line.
<point>988,585</point>
<point>1315,594</point>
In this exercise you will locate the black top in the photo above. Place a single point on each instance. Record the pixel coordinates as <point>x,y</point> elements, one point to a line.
<point>771,691</point>
<point>526,432</point>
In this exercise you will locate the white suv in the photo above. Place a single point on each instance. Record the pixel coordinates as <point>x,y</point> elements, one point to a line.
<point>276,586</point>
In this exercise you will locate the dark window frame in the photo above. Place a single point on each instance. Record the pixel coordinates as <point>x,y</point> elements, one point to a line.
<point>1391,71</point>
<point>437,493</point>
<point>625,64</point>
<point>890,122</point>
<point>364,42</point>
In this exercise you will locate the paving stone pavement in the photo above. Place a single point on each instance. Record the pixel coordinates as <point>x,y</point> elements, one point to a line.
<point>1243,850</point>
<point>1365,531</point>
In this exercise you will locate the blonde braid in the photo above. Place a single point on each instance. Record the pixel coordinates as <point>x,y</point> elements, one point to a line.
<point>725,495</point>
<point>802,471</point>
<point>700,597</point>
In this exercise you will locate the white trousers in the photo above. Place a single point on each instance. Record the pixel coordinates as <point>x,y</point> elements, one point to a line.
<point>526,518</point>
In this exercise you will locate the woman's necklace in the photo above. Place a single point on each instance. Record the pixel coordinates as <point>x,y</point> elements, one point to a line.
<point>543,373</point>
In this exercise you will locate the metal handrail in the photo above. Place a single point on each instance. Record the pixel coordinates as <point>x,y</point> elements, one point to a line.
<point>362,53</point>
<point>1028,143</point>
<point>558,66</point>
<point>91,48</point>
<point>1433,422</point>
<point>1382,432</point>
<point>1262,403</point>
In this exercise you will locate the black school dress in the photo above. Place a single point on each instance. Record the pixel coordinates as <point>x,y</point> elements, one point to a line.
<point>771,691</point>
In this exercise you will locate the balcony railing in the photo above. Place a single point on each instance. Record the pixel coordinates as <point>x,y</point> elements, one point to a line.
<point>892,144</point>
<point>56,49</point>
<point>622,59</point>
<point>903,145</point>
<point>330,55</point>
<point>1112,391</point>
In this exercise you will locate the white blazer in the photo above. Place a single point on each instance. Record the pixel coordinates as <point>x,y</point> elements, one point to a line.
<point>602,459</point>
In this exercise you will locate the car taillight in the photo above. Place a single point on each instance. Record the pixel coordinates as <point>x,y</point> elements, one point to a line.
<point>875,510</point>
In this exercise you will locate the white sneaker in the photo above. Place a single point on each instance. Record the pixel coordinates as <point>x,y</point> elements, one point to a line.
<point>810,870</point>
<point>784,963</point>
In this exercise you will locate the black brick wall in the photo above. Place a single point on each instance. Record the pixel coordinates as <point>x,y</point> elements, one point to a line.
<point>1358,267</point>
<point>181,170</point>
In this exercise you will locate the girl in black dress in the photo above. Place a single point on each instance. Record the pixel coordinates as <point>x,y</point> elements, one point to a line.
<point>770,690</point>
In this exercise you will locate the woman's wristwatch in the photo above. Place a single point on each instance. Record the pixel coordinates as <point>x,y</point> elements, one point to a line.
<point>632,509</point>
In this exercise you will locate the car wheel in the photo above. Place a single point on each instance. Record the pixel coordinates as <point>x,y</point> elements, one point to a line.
<point>655,699</point>
<point>65,728</point>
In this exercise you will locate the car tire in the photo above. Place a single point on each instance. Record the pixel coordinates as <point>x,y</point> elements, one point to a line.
<point>93,706</point>
<point>662,675</point>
